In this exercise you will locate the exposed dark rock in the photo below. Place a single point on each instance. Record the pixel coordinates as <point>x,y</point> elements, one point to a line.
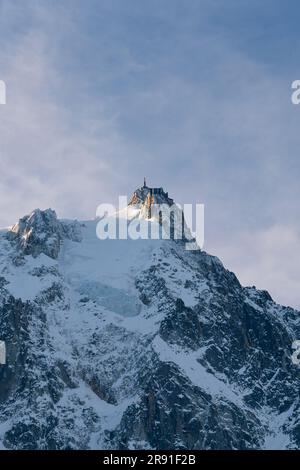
<point>41,232</point>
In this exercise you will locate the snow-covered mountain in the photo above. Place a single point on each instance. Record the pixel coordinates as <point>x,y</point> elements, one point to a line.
<point>127,344</point>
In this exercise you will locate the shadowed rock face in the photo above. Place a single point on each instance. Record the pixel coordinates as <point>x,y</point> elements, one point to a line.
<point>185,358</point>
<point>173,414</point>
<point>14,328</point>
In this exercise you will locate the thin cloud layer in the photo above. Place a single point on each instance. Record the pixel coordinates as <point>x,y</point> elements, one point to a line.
<point>100,94</point>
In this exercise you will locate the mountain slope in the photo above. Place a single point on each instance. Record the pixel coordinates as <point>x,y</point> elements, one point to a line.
<point>137,344</point>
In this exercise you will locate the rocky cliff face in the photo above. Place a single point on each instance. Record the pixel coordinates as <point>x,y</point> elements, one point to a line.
<point>119,344</point>
<point>41,232</point>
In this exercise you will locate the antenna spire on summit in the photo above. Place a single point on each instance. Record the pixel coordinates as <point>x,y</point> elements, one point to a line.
<point>145,182</point>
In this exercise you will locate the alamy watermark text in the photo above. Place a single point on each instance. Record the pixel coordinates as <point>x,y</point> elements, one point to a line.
<point>2,92</point>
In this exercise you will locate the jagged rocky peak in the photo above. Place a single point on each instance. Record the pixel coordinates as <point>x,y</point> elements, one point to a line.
<point>147,195</point>
<point>155,204</point>
<point>42,232</point>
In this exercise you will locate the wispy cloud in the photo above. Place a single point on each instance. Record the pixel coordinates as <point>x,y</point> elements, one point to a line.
<point>269,260</point>
<point>100,94</point>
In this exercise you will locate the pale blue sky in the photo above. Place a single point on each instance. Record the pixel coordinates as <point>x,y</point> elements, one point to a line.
<point>193,94</point>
